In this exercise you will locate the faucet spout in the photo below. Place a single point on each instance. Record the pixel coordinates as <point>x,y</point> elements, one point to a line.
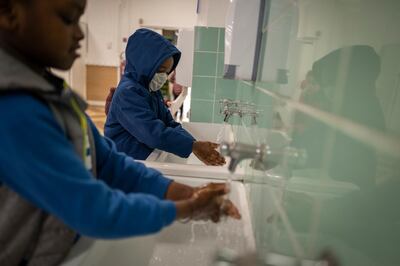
<point>263,156</point>
<point>239,152</point>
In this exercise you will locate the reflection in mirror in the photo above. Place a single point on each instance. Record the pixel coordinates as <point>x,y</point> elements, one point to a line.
<point>343,107</point>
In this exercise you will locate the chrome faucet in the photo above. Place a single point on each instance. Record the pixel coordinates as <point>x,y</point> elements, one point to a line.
<point>229,108</point>
<point>264,157</point>
<point>239,152</point>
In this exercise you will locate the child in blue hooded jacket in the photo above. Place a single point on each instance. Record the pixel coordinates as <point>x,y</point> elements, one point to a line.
<point>138,120</point>
<point>59,178</point>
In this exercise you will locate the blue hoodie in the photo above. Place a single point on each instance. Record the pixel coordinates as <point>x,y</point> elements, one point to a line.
<point>138,120</point>
<point>38,162</point>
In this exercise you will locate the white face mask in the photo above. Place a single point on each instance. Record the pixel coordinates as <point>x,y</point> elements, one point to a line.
<point>158,81</point>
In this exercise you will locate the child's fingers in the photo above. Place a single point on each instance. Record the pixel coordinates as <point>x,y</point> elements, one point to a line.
<point>229,209</point>
<point>214,145</point>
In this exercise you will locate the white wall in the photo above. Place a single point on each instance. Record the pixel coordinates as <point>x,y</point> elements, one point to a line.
<point>338,23</point>
<point>345,22</point>
<point>212,13</point>
<point>171,13</point>
<point>111,20</point>
<point>102,17</point>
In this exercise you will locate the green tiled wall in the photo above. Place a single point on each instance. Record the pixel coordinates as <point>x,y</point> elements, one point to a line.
<point>201,110</point>
<point>209,87</point>
<point>204,88</point>
<point>205,64</point>
<point>206,39</point>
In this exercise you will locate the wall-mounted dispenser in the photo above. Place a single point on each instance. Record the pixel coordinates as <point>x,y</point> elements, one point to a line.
<point>243,34</point>
<point>184,70</point>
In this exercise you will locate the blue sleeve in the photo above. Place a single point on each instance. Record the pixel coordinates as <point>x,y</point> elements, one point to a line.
<point>172,123</point>
<point>122,172</point>
<point>134,113</point>
<point>39,163</point>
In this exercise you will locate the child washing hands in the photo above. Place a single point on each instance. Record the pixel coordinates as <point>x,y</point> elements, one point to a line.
<point>59,178</point>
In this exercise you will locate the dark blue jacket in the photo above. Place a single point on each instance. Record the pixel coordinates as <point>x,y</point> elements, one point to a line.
<point>138,120</point>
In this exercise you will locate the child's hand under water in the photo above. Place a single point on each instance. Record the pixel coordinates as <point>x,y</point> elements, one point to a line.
<point>208,203</point>
<point>207,153</point>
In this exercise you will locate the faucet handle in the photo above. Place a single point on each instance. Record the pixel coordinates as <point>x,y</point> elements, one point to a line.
<point>229,108</point>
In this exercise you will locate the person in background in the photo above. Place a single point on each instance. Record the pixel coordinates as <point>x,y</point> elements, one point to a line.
<point>59,178</point>
<point>366,219</point>
<point>357,102</point>
<point>109,99</point>
<point>138,120</point>
<point>178,94</point>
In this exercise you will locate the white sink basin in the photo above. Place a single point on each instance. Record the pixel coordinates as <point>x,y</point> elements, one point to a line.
<point>191,244</point>
<point>170,164</point>
<point>195,170</point>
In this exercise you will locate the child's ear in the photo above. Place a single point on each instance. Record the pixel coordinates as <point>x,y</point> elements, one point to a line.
<point>9,18</point>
